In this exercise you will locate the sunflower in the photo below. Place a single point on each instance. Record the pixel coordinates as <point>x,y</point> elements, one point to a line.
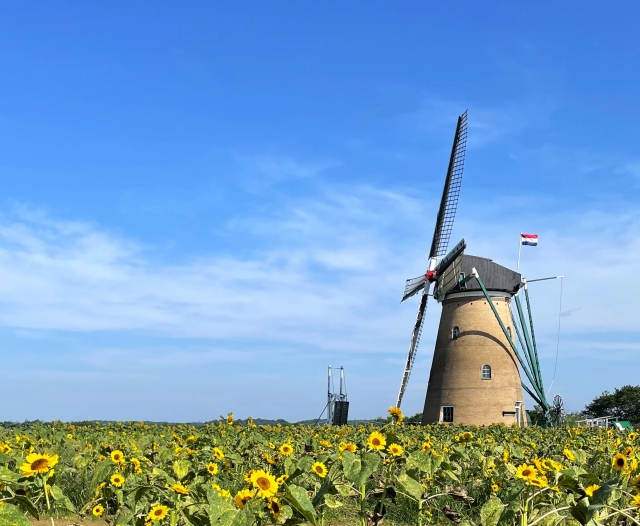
<point>36,463</point>
<point>426,446</point>
<point>526,472</point>
<point>396,415</point>
<point>224,493</point>
<point>282,479</point>
<point>632,436</point>
<point>568,454</point>
<point>351,447</point>
<point>376,441</point>
<point>117,457</point>
<point>619,462</point>
<point>286,450</point>
<point>180,489</point>
<point>247,477</point>
<point>217,452</point>
<point>319,469</point>
<point>97,511</point>
<point>591,490</point>
<point>242,497</point>
<point>212,468</point>
<point>396,450</point>
<point>265,483</point>
<point>539,464</point>
<point>636,482</point>
<point>539,481</point>
<point>117,480</point>
<point>325,443</point>
<point>466,436</point>
<point>635,501</point>
<point>274,507</point>
<point>629,452</point>
<point>157,513</point>
<point>495,488</point>
<point>505,455</point>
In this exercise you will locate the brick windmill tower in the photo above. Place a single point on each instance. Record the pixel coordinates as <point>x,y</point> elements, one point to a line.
<point>474,376</point>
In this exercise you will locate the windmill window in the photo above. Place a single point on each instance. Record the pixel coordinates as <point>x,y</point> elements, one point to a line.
<point>486,372</point>
<point>463,285</point>
<point>447,414</point>
<point>456,332</point>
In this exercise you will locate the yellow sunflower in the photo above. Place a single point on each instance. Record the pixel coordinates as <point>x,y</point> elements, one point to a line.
<point>635,501</point>
<point>97,511</point>
<point>242,497</point>
<point>265,483</point>
<point>212,468</point>
<point>117,457</point>
<point>376,441</point>
<point>591,490</point>
<point>568,454</point>
<point>217,452</point>
<point>351,447</point>
<point>286,449</point>
<point>396,450</point>
<point>282,479</point>
<point>426,446</point>
<point>539,481</point>
<point>36,463</point>
<point>179,488</point>
<point>396,415</point>
<point>157,513</point>
<point>619,462</point>
<point>526,472</point>
<point>466,436</point>
<point>117,480</point>
<point>319,469</point>
<point>274,507</point>
<point>495,488</point>
<point>632,436</point>
<point>247,477</point>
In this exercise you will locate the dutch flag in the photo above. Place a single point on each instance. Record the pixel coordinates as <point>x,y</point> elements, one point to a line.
<point>529,239</point>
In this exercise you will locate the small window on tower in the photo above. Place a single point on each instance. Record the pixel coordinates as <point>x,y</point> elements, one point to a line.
<point>486,372</point>
<point>456,332</point>
<point>463,285</point>
<point>447,414</point>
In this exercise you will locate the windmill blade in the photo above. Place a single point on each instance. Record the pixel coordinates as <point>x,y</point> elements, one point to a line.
<point>448,270</point>
<point>415,341</point>
<point>413,286</point>
<point>451,191</point>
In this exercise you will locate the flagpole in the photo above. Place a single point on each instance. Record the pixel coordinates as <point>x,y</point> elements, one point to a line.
<point>519,249</point>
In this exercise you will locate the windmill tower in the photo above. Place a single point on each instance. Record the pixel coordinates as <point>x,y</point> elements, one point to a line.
<point>474,376</point>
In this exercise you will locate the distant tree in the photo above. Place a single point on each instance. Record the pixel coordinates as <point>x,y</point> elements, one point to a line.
<point>623,403</point>
<point>415,419</point>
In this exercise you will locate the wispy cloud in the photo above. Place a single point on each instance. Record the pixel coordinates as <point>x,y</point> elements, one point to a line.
<point>261,171</point>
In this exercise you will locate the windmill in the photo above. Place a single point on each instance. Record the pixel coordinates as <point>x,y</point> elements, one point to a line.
<point>475,373</point>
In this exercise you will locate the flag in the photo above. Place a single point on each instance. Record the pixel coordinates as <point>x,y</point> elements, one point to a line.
<point>529,239</point>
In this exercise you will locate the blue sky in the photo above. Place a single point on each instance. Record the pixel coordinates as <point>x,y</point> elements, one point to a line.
<point>204,205</point>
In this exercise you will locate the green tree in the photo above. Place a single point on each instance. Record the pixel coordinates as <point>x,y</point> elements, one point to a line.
<point>623,403</point>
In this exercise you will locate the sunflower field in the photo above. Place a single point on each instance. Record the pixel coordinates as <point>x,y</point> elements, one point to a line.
<point>242,475</point>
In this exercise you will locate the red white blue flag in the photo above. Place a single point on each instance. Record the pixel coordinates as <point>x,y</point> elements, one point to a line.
<point>529,239</point>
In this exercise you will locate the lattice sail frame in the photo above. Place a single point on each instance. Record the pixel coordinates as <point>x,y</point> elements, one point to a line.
<point>440,241</point>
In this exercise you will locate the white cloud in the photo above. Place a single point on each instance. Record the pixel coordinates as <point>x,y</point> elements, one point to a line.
<point>326,282</point>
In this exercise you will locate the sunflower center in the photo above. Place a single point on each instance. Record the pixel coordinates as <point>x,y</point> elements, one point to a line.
<point>275,507</point>
<point>264,483</point>
<point>620,462</point>
<point>376,442</point>
<point>41,463</point>
<point>157,513</point>
<point>526,472</point>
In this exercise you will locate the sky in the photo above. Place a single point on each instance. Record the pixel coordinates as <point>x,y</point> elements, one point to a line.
<point>204,205</point>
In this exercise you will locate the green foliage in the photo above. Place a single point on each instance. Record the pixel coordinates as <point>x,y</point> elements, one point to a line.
<point>246,475</point>
<point>623,403</point>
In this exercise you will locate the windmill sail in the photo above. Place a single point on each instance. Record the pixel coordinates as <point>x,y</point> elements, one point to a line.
<point>413,286</point>
<point>440,241</point>
<point>450,192</point>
